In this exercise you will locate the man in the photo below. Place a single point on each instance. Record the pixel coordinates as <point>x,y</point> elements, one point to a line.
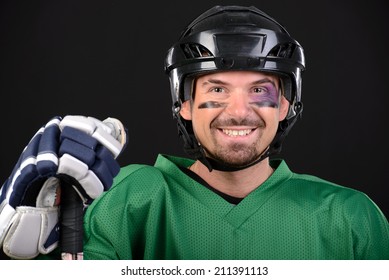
<point>235,77</point>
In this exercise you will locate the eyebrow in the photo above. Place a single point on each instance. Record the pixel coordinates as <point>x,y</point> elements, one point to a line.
<point>220,82</point>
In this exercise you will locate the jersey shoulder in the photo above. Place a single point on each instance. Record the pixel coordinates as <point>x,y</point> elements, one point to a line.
<point>138,177</point>
<point>351,201</point>
<point>135,186</point>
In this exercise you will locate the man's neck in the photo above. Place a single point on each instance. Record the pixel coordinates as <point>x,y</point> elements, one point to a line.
<point>238,183</point>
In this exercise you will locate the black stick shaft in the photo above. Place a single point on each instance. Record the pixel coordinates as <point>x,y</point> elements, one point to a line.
<point>72,213</point>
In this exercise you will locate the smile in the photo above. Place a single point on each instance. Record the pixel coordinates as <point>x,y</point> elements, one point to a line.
<point>236,133</point>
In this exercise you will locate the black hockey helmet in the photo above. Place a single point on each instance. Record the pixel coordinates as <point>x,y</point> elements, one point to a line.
<point>234,38</point>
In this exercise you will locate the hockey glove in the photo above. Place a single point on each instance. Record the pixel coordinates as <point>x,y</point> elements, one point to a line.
<point>75,148</point>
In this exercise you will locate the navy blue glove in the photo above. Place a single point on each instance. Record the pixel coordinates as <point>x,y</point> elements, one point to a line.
<point>77,149</point>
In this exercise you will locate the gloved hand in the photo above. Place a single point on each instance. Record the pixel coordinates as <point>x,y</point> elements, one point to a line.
<point>76,149</point>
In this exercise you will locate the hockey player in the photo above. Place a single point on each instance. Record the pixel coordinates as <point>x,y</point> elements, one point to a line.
<point>235,76</point>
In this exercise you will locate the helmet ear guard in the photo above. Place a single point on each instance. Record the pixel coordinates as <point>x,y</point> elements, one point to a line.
<point>232,38</point>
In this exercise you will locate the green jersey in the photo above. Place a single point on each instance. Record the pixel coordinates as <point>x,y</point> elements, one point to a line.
<point>159,212</point>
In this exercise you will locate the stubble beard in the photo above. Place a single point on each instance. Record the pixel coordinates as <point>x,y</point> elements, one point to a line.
<point>235,154</point>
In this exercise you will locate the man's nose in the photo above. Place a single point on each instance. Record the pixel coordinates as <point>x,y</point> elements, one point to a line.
<point>238,105</point>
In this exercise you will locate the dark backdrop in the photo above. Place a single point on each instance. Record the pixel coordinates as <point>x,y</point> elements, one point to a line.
<point>105,58</point>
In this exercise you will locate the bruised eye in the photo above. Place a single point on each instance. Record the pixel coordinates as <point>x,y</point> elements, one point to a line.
<point>261,90</point>
<point>265,96</point>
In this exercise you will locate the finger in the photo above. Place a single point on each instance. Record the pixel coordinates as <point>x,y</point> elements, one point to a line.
<point>47,158</point>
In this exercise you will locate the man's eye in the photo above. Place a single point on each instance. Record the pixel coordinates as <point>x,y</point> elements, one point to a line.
<point>260,90</point>
<point>217,89</point>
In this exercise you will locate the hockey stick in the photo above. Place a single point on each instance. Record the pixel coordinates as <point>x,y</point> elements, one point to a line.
<point>71,219</point>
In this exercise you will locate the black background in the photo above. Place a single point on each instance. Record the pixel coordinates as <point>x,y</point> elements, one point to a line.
<point>105,58</point>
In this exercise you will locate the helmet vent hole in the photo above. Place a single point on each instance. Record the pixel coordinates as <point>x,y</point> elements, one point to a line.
<point>195,50</point>
<point>282,50</point>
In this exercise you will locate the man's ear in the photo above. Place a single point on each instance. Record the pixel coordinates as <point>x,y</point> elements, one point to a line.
<point>284,108</point>
<point>186,110</point>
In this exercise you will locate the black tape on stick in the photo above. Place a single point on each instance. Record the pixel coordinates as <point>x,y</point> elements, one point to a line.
<point>72,214</point>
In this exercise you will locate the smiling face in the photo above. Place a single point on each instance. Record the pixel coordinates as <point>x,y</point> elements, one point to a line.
<point>235,115</point>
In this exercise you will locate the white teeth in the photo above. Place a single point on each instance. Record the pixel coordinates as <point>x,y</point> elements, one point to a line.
<point>235,133</point>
